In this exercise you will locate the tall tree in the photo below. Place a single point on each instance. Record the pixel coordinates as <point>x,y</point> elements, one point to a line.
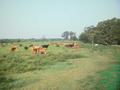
<point>69,35</point>
<point>73,35</point>
<point>65,35</point>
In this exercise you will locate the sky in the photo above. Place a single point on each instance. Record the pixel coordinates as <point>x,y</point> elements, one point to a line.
<point>50,18</point>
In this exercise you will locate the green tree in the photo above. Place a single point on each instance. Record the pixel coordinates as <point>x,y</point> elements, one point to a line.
<point>106,32</point>
<point>83,37</point>
<point>73,35</point>
<point>65,35</point>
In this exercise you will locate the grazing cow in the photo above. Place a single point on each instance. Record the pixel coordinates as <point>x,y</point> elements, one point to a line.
<point>76,46</point>
<point>38,49</point>
<point>42,50</point>
<point>45,46</point>
<point>13,48</point>
<point>35,49</point>
<point>73,45</point>
<point>69,45</point>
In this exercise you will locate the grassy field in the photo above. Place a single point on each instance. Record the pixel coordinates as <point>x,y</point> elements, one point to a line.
<point>61,68</point>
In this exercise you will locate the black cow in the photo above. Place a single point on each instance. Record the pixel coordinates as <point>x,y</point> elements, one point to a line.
<point>45,46</point>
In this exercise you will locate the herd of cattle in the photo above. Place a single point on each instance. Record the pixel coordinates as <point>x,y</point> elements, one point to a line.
<point>42,48</point>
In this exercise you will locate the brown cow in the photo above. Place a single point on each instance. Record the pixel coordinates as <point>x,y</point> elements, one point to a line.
<point>69,45</point>
<point>38,49</point>
<point>13,48</point>
<point>72,45</point>
<point>42,50</point>
<point>76,46</point>
<point>35,49</point>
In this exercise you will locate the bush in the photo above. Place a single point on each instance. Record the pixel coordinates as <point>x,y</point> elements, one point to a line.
<point>25,47</point>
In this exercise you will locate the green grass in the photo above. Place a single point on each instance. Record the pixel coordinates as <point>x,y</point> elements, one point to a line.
<point>23,60</point>
<point>110,78</point>
<point>60,69</point>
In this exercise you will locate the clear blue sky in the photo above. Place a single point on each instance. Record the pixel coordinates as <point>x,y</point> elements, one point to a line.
<point>50,18</point>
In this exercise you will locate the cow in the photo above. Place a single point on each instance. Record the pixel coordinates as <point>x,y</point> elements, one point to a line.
<point>76,46</point>
<point>13,48</point>
<point>72,45</point>
<point>35,49</point>
<point>42,50</point>
<point>38,49</point>
<point>69,45</point>
<point>45,46</point>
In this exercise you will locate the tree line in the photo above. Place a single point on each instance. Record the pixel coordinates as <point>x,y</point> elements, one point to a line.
<point>106,32</point>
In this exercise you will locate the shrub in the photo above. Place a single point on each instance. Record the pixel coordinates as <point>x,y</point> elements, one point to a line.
<point>25,47</point>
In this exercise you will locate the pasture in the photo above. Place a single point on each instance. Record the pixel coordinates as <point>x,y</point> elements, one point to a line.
<point>61,68</point>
